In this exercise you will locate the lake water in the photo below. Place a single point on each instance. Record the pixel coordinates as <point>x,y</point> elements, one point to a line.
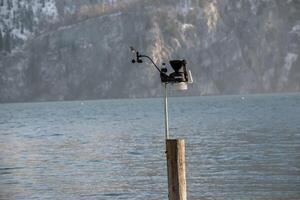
<point>236,148</point>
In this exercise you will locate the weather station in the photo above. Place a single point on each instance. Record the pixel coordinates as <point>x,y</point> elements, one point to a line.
<point>175,148</point>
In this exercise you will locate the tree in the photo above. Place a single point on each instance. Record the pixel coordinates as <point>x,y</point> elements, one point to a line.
<point>7,42</point>
<point>22,28</point>
<point>14,18</point>
<point>9,4</point>
<point>28,19</point>
<point>43,3</point>
<point>1,41</point>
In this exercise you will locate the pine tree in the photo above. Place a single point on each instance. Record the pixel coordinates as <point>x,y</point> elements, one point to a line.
<point>22,28</point>
<point>31,20</point>
<point>9,5</point>
<point>17,24</point>
<point>1,41</point>
<point>43,3</point>
<point>14,18</point>
<point>1,2</point>
<point>7,42</point>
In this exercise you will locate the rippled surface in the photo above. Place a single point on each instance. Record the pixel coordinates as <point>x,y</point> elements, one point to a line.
<point>236,148</point>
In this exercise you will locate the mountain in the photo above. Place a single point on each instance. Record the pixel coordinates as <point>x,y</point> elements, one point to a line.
<point>68,50</point>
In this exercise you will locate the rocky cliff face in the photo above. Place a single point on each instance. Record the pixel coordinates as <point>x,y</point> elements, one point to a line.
<point>62,50</point>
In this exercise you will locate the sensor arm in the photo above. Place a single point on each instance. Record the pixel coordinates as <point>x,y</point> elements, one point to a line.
<point>139,56</point>
<point>144,56</point>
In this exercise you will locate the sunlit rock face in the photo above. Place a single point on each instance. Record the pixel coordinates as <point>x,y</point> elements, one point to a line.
<point>65,50</point>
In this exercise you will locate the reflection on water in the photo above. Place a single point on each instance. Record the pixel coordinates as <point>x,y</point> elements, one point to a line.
<point>236,148</point>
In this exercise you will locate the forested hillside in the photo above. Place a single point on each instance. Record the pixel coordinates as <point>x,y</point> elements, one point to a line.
<point>66,50</point>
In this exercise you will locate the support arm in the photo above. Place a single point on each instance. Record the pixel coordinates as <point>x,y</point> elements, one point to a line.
<point>144,56</point>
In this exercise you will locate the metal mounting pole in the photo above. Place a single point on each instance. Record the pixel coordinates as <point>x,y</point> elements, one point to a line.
<point>166,111</point>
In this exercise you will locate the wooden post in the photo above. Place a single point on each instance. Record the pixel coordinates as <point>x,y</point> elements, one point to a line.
<point>176,169</point>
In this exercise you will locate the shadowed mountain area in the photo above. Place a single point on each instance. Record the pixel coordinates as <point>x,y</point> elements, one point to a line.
<point>68,50</point>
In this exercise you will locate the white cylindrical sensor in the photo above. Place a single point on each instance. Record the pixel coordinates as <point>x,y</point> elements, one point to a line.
<point>179,86</point>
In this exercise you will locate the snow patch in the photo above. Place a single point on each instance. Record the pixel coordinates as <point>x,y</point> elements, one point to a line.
<point>187,26</point>
<point>289,59</point>
<point>50,10</point>
<point>69,10</point>
<point>212,15</point>
<point>267,77</point>
<point>254,5</point>
<point>175,43</point>
<point>296,29</point>
<point>18,34</point>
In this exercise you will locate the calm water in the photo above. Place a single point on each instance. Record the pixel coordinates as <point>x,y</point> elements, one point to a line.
<point>236,148</point>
